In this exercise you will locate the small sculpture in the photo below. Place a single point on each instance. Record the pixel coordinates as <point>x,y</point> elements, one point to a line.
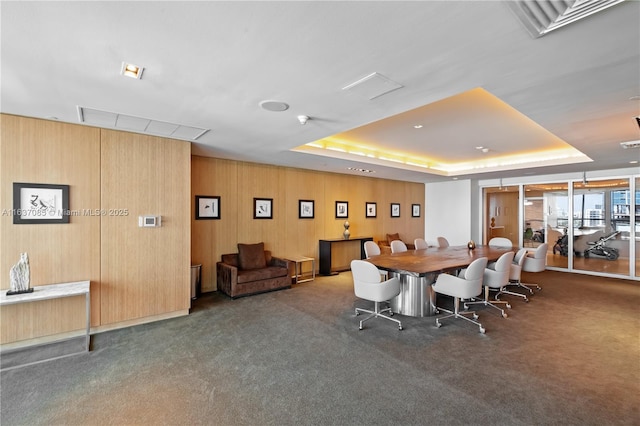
<point>346,232</point>
<point>471,245</point>
<point>19,276</point>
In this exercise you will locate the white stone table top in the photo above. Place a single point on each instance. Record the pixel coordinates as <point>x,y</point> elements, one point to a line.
<point>46,292</point>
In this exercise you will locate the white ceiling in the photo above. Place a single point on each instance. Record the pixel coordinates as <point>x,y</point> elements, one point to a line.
<point>208,65</point>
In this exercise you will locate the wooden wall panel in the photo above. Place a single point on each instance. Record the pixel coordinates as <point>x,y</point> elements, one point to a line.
<point>144,271</point>
<point>42,151</point>
<point>212,238</point>
<point>286,234</point>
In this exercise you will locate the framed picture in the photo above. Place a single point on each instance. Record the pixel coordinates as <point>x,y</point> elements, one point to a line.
<point>371,209</point>
<point>342,209</point>
<point>395,209</point>
<point>262,208</point>
<point>207,207</point>
<point>35,203</point>
<point>305,209</point>
<point>415,210</point>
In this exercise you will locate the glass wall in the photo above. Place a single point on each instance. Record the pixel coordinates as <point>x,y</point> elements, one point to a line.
<point>601,225</point>
<point>545,219</point>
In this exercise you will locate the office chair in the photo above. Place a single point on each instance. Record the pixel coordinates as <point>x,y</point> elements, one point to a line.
<point>420,244</point>
<point>500,242</point>
<point>514,275</point>
<point>536,262</point>
<point>465,286</point>
<point>442,242</point>
<point>495,278</point>
<point>398,246</point>
<point>373,249</point>
<point>367,285</point>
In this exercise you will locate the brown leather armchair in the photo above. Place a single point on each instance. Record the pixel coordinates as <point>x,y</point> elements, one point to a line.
<point>250,271</point>
<point>385,245</point>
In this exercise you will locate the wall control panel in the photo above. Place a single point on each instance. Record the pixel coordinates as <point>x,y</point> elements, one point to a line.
<point>149,221</point>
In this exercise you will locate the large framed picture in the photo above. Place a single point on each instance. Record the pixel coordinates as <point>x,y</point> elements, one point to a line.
<point>371,209</point>
<point>207,207</point>
<point>36,203</point>
<point>262,208</point>
<point>342,209</point>
<point>415,210</point>
<point>305,209</point>
<point>395,209</point>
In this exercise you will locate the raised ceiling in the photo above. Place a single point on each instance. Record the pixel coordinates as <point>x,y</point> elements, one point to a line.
<point>469,72</point>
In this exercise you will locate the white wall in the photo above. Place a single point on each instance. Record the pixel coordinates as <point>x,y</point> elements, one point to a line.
<point>448,211</point>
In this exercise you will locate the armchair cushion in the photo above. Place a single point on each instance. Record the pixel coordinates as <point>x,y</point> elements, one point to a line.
<point>392,237</point>
<point>251,256</point>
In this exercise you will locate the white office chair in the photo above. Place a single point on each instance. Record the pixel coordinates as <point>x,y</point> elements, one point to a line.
<point>367,285</point>
<point>495,277</point>
<point>420,244</point>
<point>514,275</point>
<point>373,249</point>
<point>442,242</point>
<point>500,242</point>
<point>536,262</point>
<point>398,246</point>
<point>465,286</point>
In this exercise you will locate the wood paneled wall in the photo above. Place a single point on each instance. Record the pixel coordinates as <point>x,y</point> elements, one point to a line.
<point>238,183</point>
<point>41,151</point>
<point>144,271</point>
<point>134,272</point>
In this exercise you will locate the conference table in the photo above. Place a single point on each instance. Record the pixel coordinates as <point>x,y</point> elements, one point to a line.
<point>417,270</point>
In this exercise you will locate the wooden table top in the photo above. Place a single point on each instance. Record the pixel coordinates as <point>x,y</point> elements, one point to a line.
<point>435,259</point>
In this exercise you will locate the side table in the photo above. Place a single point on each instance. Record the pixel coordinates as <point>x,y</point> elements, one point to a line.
<point>298,261</point>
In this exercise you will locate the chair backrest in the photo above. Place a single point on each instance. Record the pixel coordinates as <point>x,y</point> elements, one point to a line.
<point>498,276</point>
<point>442,242</point>
<point>420,244</point>
<point>516,266</point>
<point>398,246</point>
<point>371,249</point>
<point>536,261</point>
<point>541,251</point>
<point>500,242</point>
<point>367,285</point>
<point>475,271</point>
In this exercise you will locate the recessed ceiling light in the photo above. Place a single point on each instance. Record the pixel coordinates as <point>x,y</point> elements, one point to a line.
<point>418,126</point>
<point>633,162</point>
<point>357,169</point>
<point>130,70</point>
<point>274,106</point>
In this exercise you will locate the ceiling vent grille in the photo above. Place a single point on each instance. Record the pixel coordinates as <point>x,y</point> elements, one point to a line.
<point>631,144</point>
<point>130,123</point>
<point>373,86</point>
<point>543,16</point>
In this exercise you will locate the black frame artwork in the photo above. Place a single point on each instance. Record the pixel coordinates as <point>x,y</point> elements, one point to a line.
<point>263,208</point>
<point>371,210</point>
<point>395,209</point>
<point>207,207</point>
<point>306,209</point>
<point>415,210</point>
<point>40,203</point>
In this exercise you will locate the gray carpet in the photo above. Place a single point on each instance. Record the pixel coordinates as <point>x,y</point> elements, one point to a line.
<point>296,357</point>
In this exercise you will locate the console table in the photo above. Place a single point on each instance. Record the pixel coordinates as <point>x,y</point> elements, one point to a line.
<point>54,291</point>
<point>325,252</point>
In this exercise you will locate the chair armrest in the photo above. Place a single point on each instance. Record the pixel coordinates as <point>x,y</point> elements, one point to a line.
<point>227,277</point>
<point>278,261</point>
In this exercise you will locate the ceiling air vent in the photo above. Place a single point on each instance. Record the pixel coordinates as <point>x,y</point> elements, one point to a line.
<point>130,123</point>
<point>630,144</point>
<point>543,16</point>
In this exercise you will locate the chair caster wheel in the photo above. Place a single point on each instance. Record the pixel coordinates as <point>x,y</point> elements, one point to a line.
<point>390,313</point>
<point>508,306</point>
<point>482,330</point>
<point>399,327</point>
<point>438,325</point>
<point>475,316</point>
<point>526,300</point>
<point>360,328</point>
<point>504,315</point>
<point>357,313</point>
<point>466,306</point>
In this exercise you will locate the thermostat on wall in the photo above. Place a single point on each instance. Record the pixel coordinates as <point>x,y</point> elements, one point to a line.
<point>149,221</point>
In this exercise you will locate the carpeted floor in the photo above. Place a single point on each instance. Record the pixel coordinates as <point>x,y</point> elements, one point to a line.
<point>296,357</point>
